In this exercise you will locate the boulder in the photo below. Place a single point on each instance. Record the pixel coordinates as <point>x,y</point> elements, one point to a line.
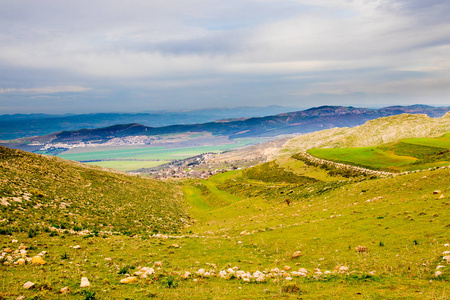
<point>64,290</point>
<point>85,282</point>
<point>28,285</point>
<point>37,260</point>
<point>127,280</point>
<point>201,272</point>
<point>297,254</point>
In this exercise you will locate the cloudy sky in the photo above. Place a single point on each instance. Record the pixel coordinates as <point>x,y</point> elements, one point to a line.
<point>113,55</point>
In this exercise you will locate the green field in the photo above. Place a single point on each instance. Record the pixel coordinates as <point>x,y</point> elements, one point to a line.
<point>128,165</point>
<point>237,219</point>
<point>404,155</point>
<point>152,154</point>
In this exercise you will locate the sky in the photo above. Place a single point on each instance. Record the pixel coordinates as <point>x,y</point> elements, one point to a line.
<point>129,56</point>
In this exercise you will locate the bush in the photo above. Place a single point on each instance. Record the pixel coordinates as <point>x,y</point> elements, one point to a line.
<point>170,282</point>
<point>125,269</point>
<point>290,287</point>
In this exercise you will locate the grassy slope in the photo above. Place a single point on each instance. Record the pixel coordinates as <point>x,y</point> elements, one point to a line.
<point>408,154</point>
<point>68,195</point>
<point>372,133</point>
<point>404,226</point>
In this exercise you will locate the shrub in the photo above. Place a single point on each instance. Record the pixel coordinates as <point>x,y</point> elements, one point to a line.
<point>125,269</point>
<point>88,295</point>
<point>170,282</point>
<point>290,287</point>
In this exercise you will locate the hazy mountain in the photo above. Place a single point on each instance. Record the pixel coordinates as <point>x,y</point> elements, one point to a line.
<point>309,120</point>
<point>26,125</point>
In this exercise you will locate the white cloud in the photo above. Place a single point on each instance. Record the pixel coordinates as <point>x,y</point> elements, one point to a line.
<point>46,90</point>
<point>199,43</point>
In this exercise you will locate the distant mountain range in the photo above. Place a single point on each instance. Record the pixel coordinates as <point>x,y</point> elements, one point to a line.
<point>305,121</point>
<point>26,125</point>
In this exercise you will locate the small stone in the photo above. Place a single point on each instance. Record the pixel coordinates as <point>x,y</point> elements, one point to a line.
<point>158,264</point>
<point>85,282</point>
<point>297,254</point>
<point>37,260</point>
<point>127,280</point>
<point>361,249</point>
<point>442,196</point>
<point>20,298</point>
<point>108,259</point>
<point>7,250</point>
<point>14,241</point>
<point>436,192</point>
<point>437,274</point>
<point>20,262</point>
<point>28,285</point>
<point>64,290</point>
<point>76,247</point>
<point>287,268</point>
<point>201,272</point>
<point>175,246</point>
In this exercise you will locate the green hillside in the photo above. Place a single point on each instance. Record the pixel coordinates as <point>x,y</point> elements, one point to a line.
<point>353,236</point>
<point>404,155</point>
<point>58,194</point>
<point>372,133</point>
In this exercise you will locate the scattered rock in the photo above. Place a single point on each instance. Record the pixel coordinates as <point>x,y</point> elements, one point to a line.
<point>175,246</point>
<point>108,259</point>
<point>20,262</point>
<point>130,279</point>
<point>437,274</point>
<point>76,247</point>
<point>28,285</point>
<point>341,269</point>
<point>20,298</point>
<point>144,272</point>
<point>442,196</point>
<point>297,254</point>
<point>200,272</point>
<point>37,260</point>
<point>64,290</point>
<point>436,192</point>
<point>287,268</point>
<point>85,282</point>
<point>7,250</point>
<point>361,249</point>
<point>158,264</point>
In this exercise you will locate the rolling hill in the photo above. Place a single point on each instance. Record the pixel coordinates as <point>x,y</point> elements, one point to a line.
<point>282,229</point>
<point>297,122</point>
<point>62,195</point>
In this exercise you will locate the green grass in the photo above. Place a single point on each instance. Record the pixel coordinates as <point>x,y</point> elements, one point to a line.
<point>108,155</point>
<point>364,156</point>
<point>404,155</point>
<point>65,195</point>
<point>401,222</point>
<point>127,165</point>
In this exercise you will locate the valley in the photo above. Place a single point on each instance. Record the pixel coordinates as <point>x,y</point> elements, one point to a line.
<point>281,229</point>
